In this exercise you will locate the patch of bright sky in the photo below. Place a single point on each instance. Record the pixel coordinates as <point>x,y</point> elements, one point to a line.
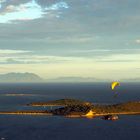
<point>28,11</point>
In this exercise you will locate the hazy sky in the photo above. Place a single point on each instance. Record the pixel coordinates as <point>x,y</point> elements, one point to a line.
<point>76,38</point>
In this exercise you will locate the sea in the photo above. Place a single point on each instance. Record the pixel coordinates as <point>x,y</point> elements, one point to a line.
<point>15,97</point>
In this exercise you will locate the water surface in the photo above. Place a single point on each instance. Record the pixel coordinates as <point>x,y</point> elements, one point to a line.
<point>14,127</point>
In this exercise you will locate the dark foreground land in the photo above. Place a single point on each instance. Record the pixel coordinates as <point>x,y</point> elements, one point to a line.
<point>77,108</point>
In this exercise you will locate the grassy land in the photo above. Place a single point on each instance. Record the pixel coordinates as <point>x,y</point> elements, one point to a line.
<point>132,106</point>
<point>61,102</point>
<point>124,108</point>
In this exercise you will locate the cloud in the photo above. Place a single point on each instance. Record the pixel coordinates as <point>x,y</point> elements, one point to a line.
<point>10,8</point>
<point>57,6</point>
<point>22,57</point>
<point>17,58</point>
<point>29,11</point>
<point>71,39</point>
<point>4,51</point>
<point>71,56</point>
<point>2,1</point>
<point>12,61</point>
<point>137,41</point>
<point>118,58</point>
<point>39,59</point>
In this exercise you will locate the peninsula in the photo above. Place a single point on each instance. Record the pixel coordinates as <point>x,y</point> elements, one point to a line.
<point>77,108</point>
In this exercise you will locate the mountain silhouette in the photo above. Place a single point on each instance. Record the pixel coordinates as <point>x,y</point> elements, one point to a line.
<point>19,77</point>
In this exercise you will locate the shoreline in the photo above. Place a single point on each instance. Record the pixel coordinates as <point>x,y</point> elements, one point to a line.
<point>25,113</point>
<point>51,114</point>
<point>120,113</point>
<point>47,105</point>
<point>102,114</point>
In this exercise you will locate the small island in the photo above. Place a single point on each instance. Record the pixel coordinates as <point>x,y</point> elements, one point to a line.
<point>76,108</point>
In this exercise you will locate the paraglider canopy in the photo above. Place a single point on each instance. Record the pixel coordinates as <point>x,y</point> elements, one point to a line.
<point>114,84</point>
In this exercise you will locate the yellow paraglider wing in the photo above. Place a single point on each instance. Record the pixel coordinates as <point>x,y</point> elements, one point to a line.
<point>114,84</point>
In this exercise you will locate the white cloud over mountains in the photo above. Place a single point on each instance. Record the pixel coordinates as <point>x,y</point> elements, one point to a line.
<point>51,66</point>
<point>70,37</point>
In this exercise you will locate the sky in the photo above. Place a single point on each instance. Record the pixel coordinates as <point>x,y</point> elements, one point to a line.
<point>71,38</point>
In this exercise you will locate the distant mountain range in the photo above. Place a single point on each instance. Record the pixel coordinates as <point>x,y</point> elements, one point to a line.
<point>75,79</point>
<point>34,78</point>
<point>19,77</point>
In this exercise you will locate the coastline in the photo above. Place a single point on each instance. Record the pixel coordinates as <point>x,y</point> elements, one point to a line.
<point>25,113</point>
<point>102,114</point>
<point>51,114</point>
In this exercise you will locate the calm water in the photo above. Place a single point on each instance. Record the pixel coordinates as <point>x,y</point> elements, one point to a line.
<point>13,127</point>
